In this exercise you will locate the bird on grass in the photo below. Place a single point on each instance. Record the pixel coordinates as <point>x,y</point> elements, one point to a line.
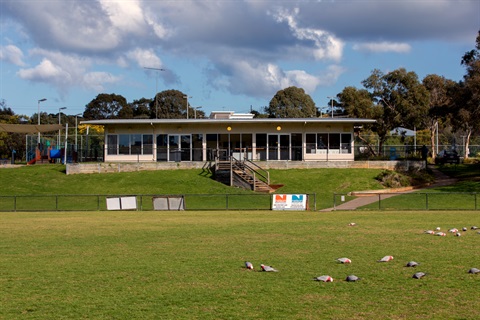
<point>412,264</point>
<point>248,265</point>
<point>268,268</point>
<point>352,224</point>
<point>323,279</point>
<point>453,230</point>
<point>352,278</point>
<point>344,260</point>
<point>458,234</point>
<point>386,259</point>
<point>474,228</point>
<point>429,232</point>
<point>441,234</point>
<point>474,271</point>
<point>464,229</point>
<point>419,275</point>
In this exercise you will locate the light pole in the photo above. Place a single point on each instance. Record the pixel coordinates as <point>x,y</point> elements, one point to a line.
<point>195,110</point>
<point>331,99</point>
<point>38,114</point>
<point>59,130</point>
<point>76,130</point>
<point>156,88</point>
<point>186,97</point>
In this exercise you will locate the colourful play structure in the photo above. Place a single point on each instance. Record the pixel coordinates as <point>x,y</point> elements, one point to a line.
<point>51,155</point>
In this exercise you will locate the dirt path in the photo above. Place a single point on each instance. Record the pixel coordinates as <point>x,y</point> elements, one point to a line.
<point>372,196</point>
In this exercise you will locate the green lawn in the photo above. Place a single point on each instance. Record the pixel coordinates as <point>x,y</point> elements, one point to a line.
<point>51,180</point>
<point>189,265</point>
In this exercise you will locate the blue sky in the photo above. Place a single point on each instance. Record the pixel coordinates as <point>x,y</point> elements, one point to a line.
<point>226,54</point>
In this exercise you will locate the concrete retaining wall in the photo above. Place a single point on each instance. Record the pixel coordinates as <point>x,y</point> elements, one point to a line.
<point>108,167</point>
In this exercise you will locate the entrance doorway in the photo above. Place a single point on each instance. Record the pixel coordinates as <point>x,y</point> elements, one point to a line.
<point>278,147</point>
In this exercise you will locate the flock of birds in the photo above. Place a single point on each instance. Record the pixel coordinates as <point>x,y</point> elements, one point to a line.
<point>353,278</point>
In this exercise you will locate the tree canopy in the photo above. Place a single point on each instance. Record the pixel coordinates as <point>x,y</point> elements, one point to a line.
<point>291,102</point>
<point>107,106</point>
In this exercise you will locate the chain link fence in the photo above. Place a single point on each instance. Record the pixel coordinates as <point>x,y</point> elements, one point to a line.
<point>39,203</point>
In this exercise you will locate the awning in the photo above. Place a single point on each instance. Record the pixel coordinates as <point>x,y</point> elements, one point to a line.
<point>29,128</point>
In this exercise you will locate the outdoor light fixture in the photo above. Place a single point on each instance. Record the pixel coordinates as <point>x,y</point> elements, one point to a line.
<point>279,128</point>
<point>229,128</point>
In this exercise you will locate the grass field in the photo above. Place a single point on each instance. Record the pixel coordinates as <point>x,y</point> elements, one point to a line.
<point>189,265</point>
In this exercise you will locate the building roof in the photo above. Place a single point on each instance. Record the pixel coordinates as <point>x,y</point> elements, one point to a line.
<point>230,120</point>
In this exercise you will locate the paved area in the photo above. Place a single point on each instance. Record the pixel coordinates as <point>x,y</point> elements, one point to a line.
<point>440,181</point>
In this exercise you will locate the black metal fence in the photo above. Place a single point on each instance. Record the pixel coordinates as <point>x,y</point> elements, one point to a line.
<point>414,201</point>
<point>39,203</point>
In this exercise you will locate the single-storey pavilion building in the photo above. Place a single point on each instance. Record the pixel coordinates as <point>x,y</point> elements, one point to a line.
<point>228,133</point>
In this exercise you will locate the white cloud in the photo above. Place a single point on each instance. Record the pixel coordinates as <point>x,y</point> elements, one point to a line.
<point>325,45</point>
<point>382,47</point>
<point>144,58</point>
<point>12,54</point>
<point>45,71</point>
<point>97,80</point>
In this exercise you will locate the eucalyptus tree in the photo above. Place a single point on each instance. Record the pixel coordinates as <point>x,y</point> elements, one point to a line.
<point>107,106</point>
<point>440,100</point>
<point>467,95</point>
<point>395,99</point>
<point>171,104</point>
<point>291,102</point>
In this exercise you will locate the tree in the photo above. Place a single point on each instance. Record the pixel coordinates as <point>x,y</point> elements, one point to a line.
<point>172,104</point>
<point>141,108</point>
<point>440,101</point>
<point>359,104</point>
<point>291,102</point>
<point>467,95</point>
<point>10,141</point>
<point>107,106</point>
<point>402,98</point>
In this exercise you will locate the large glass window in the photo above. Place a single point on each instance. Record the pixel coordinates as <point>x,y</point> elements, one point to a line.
<point>162,147</point>
<point>261,146</point>
<point>212,145</point>
<point>311,142</point>
<point>147,140</point>
<point>197,141</point>
<point>346,143</point>
<point>112,142</point>
<point>123,144</point>
<point>136,144</point>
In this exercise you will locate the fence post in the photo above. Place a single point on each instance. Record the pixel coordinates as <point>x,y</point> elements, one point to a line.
<point>426,201</point>
<point>379,202</point>
<point>98,202</point>
<point>475,201</point>
<point>15,203</point>
<point>56,198</point>
<point>226,201</point>
<point>334,201</point>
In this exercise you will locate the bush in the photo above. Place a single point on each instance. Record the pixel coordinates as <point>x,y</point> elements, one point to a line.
<point>394,179</point>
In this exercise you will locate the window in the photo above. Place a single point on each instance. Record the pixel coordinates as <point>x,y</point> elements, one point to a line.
<point>147,140</point>
<point>135,144</point>
<point>112,142</point>
<point>346,146</point>
<point>124,144</point>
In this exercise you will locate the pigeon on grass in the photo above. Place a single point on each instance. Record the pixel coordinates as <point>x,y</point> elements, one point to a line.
<point>323,279</point>
<point>268,268</point>
<point>419,275</point>
<point>412,264</point>
<point>474,271</point>
<point>352,278</point>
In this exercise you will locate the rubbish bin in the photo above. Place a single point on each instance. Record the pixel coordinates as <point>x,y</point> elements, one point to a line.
<point>13,156</point>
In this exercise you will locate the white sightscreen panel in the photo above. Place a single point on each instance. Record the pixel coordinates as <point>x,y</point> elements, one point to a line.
<point>128,203</point>
<point>113,204</point>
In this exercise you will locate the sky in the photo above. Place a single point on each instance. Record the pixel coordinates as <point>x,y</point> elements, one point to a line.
<point>226,55</point>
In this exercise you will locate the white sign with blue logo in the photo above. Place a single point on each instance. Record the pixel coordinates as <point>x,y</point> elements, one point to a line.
<point>289,202</point>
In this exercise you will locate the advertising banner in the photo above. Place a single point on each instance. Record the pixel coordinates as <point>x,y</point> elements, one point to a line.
<point>289,202</point>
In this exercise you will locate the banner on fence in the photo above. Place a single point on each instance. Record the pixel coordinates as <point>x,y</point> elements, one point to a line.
<point>289,202</point>
<point>122,203</point>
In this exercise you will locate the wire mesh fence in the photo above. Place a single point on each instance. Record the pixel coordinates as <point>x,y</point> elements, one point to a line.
<point>414,201</point>
<point>39,203</point>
